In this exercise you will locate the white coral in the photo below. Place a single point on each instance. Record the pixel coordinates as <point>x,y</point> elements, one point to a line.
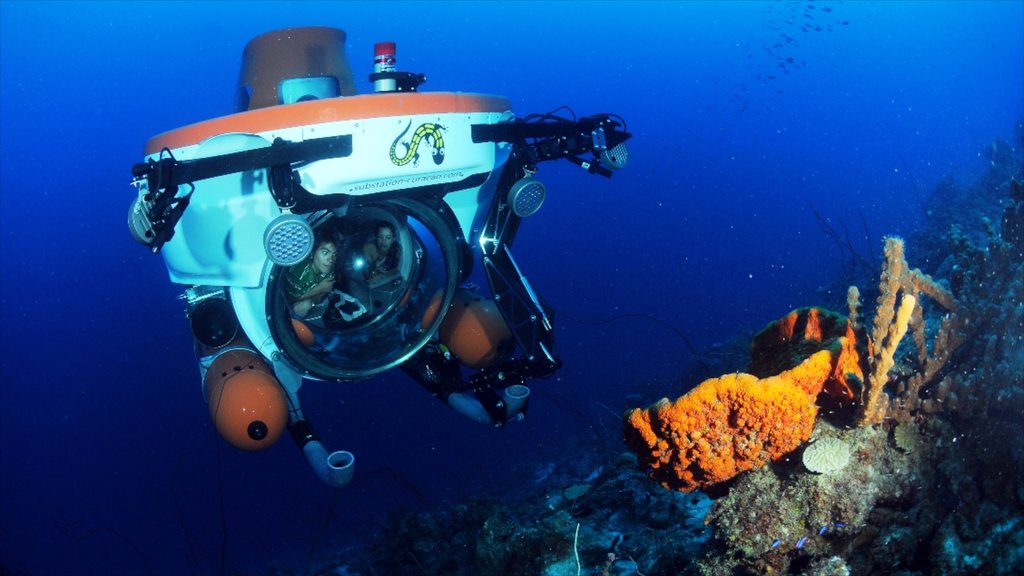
<point>907,438</point>
<point>826,455</point>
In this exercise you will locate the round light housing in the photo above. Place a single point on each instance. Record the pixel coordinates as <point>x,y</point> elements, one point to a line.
<point>615,158</point>
<point>139,224</point>
<point>288,240</point>
<point>526,196</point>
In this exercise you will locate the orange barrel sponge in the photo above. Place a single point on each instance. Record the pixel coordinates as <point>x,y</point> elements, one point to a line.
<point>724,426</point>
<point>791,340</point>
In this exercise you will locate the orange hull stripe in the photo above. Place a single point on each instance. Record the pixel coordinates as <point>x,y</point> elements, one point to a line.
<point>323,111</point>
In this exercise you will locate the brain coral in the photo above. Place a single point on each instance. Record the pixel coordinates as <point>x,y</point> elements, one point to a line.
<point>827,455</point>
<point>722,427</point>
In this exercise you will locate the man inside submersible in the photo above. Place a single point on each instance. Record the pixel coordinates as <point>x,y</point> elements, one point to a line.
<point>330,236</point>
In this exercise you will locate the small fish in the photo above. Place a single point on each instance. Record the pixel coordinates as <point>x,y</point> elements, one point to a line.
<point>800,543</point>
<point>840,525</point>
<point>775,544</point>
<point>822,530</point>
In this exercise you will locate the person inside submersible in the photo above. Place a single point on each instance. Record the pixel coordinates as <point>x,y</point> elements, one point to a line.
<point>309,282</point>
<point>381,254</point>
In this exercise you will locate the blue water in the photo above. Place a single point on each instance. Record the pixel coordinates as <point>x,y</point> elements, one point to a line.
<point>747,117</point>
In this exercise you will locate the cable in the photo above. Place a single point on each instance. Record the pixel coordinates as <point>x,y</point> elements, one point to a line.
<point>66,531</point>
<point>323,528</point>
<point>194,567</point>
<point>223,519</point>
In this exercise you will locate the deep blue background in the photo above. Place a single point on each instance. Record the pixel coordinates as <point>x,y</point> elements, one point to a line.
<point>745,116</point>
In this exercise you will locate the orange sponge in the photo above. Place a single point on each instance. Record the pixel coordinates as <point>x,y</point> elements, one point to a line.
<point>722,427</point>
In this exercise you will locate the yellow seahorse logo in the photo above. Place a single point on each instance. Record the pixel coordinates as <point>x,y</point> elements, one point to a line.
<point>429,134</point>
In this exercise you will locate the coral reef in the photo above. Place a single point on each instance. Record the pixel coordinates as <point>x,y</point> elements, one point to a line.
<point>891,322</point>
<point>739,422</point>
<point>989,278</point>
<point>619,525</point>
<point>964,206</point>
<point>933,485</point>
<point>779,519</point>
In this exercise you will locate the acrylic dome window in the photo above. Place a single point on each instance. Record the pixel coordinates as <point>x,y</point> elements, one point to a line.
<point>390,262</point>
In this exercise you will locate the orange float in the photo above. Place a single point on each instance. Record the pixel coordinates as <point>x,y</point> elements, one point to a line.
<point>246,401</point>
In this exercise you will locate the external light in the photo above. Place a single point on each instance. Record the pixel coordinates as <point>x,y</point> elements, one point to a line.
<point>139,224</point>
<point>615,158</point>
<point>526,196</point>
<point>288,240</point>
